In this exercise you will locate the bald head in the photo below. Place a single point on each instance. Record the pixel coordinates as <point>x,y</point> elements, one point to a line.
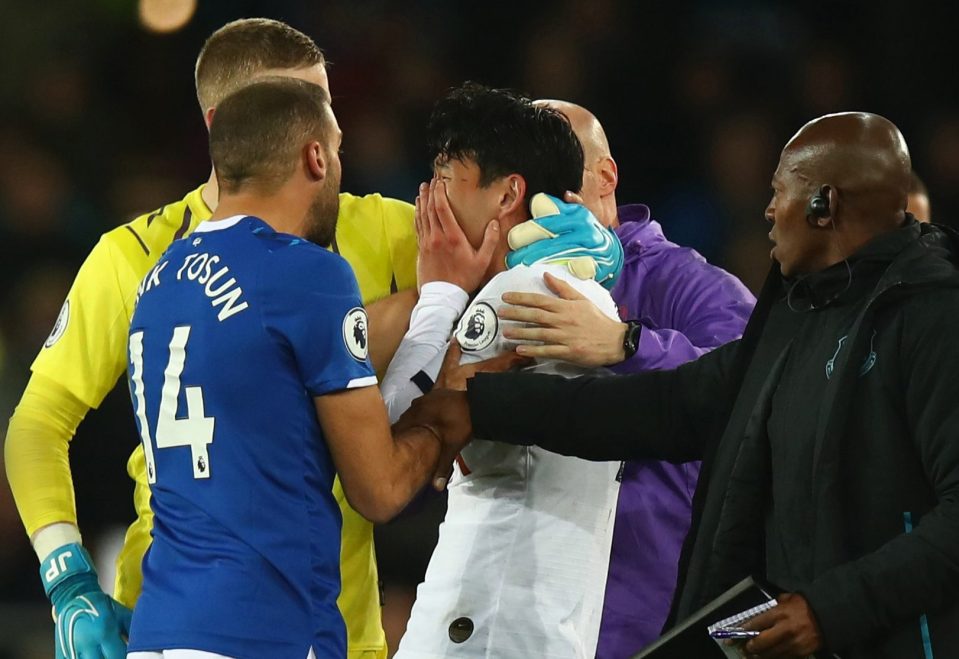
<point>586,126</point>
<point>601,174</point>
<point>842,180</point>
<point>862,157</point>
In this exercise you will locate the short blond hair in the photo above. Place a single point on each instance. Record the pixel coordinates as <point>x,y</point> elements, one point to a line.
<point>234,54</point>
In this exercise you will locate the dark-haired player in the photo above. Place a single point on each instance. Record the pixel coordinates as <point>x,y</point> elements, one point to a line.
<point>520,566</point>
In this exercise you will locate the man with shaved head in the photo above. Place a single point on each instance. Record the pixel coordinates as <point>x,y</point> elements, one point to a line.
<point>919,204</point>
<point>675,307</point>
<point>827,433</point>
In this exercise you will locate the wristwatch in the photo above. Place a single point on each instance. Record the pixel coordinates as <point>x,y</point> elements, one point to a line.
<point>631,338</point>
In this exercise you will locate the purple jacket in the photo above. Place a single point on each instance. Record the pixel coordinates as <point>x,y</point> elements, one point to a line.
<point>687,307</point>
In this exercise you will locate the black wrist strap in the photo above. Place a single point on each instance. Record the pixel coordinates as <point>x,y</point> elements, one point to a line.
<point>631,338</point>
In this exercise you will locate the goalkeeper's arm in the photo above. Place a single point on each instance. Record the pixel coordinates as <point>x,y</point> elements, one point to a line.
<point>37,459</point>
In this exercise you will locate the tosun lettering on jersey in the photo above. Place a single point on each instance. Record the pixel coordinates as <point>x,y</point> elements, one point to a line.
<point>152,279</point>
<point>201,268</point>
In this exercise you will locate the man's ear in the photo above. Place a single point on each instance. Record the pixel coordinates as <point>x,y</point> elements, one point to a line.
<point>607,173</point>
<point>832,194</point>
<point>208,117</point>
<point>315,161</point>
<point>513,196</point>
<point>829,194</point>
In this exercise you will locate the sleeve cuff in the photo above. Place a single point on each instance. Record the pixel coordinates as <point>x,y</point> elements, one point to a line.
<point>438,308</point>
<point>443,289</point>
<point>54,536</point>
<point>840,624</point>
<point>440,294</point>
<point>332,386</point>
<point>356,383</point>
<point>487,397</point>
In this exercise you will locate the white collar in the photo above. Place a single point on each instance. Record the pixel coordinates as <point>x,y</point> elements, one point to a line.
<point>217,225</point>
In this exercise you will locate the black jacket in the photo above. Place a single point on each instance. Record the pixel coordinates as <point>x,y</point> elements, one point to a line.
<point>883,547</point>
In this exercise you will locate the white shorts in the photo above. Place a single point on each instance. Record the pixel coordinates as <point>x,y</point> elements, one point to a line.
<point>186,654</point>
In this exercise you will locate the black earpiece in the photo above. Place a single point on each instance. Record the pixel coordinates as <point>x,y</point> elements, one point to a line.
<point>818,206</point>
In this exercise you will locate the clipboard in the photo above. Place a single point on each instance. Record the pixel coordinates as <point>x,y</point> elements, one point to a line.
<point>690,638</point>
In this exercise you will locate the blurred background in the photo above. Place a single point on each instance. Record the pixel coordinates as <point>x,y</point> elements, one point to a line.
<point>99,123</point>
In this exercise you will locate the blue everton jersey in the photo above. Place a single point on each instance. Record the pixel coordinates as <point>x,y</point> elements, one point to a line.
<point>236,330</point>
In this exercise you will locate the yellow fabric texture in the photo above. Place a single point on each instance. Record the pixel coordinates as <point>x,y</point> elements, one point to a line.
<point>75,372</point>
<point>38,466</point>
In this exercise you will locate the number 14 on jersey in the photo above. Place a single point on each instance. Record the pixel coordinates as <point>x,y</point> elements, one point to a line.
<point>195,430</point>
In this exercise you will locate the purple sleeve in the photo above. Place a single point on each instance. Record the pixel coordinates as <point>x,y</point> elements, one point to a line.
<point>687,308</point>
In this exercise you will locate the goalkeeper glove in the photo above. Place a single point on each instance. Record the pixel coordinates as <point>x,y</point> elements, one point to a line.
<point>89,623</point>
<point>568,234</point>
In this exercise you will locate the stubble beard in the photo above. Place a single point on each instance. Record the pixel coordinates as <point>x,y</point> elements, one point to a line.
<point>322,215</point>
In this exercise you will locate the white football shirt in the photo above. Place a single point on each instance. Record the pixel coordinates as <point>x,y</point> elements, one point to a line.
<point>520,566</point>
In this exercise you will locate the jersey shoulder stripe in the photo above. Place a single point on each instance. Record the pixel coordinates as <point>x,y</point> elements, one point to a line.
<point>142,240</point>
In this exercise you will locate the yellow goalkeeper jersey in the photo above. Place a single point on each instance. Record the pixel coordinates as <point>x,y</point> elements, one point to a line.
<point>86,354</point>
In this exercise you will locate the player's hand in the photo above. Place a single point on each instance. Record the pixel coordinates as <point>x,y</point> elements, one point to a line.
<point>445,254</point>
<point>789,629</point>
<point>566,233</point>
<point>89,623</point>
<point>445,412</point>
<point>570,326</point>
<point>454,375</point>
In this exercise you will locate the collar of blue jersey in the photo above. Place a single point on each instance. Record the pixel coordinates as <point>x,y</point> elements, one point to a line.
<point>217,225</point>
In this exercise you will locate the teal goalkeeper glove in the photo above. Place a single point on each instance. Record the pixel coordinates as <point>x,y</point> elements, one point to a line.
<point>567,234</point>
<point>90,623</point>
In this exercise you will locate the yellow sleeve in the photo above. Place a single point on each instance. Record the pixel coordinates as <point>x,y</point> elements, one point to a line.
<point>86,352</point>
<point>78,365</point>
<point>36,453</point>
<point>398,223</point>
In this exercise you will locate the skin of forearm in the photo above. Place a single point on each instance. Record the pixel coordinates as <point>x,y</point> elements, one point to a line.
<point>416,451</point>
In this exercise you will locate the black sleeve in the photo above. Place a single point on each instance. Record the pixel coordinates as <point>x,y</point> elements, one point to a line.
<point>916,572</point>
<point>662,415</point>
